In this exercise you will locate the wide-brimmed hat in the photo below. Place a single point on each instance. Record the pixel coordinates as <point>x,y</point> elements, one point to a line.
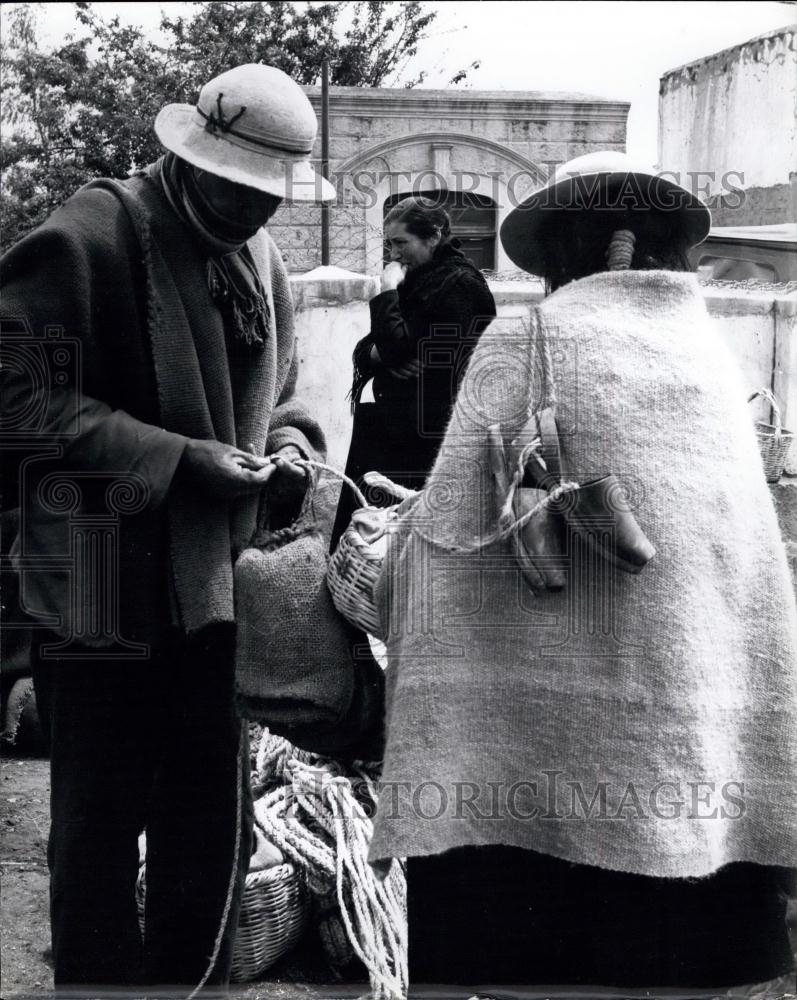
<point>608,180</point>
<point>252,125</point>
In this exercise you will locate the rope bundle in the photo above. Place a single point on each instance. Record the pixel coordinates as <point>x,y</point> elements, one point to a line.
<point>314,815</point>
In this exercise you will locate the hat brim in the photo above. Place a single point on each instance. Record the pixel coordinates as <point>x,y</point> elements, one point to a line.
<point>611,190</point>
<point>285,176</point>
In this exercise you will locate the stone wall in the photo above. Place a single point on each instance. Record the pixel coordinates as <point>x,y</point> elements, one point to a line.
<point>332,315</point>
<point>756,206</point>
<point>733,117</point>
<point>497,145</point>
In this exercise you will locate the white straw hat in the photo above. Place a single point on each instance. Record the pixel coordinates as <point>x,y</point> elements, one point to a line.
<point>252,125</point>
<point>609,180</point>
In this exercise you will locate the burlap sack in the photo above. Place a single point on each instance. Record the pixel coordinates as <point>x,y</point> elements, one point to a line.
<point>293,660</point>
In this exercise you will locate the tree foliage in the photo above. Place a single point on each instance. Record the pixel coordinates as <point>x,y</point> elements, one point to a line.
<point>85,107</point>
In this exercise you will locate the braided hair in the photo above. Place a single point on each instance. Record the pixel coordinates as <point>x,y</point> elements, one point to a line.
<point>580,243</point>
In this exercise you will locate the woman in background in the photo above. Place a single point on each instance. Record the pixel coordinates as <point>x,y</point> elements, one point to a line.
<point>425,322</point>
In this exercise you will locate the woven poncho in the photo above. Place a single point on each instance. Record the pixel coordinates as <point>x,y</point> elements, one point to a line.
<point>643,723</point>
<point>126,282</point>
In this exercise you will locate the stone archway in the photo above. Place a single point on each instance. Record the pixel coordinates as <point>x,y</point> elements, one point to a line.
<point>452,161</point>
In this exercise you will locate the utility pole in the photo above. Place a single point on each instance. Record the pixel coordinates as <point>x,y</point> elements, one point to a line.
<point>325,157</point>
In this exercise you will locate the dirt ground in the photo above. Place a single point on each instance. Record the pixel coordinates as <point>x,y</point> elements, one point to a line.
<point>26,967</point>
<point>24,925</point>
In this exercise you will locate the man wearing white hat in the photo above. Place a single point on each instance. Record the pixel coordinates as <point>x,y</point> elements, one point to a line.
<point>180,302</point>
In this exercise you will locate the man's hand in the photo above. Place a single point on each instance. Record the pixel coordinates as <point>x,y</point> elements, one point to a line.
<point>287,488</point>
<point>392,276</point>
<point>224,471</point>
<point>291,476</point>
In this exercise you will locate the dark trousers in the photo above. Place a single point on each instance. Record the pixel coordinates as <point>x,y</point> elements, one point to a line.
<point>152,746</point>
<point>485,916</point>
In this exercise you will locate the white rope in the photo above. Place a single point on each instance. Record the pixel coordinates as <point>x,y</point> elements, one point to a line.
<point>506,525</point>
<point>377,926</point>
<point>309,463</point>
<point>503,531</point>
<point>315,818</point>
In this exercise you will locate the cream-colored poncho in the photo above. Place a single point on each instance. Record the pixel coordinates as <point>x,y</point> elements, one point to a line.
<point>640,723</point>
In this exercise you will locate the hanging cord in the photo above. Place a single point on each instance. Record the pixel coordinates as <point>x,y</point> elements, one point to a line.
<point>377,925</point>
<point>620,251</point>
<point>623,240</point>
<point>505,530</point>
<point>506,527</point>
<point>225,916</point>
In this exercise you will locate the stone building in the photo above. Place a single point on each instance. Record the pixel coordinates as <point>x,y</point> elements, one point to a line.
<point>730,120</point>
<point>479,152</point>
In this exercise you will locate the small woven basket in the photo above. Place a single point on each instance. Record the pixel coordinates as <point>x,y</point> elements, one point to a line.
<point>356,563</point>
<point>274,912</point>
<point>774,441</point>
<point>353,570</point>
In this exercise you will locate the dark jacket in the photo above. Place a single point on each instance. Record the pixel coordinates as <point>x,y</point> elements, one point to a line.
<point>436,315</point>
<point>111,304</point>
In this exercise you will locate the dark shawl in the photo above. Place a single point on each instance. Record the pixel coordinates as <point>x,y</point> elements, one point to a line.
<point>446,298</point>
<point>436,314</point>
<point>122,276</point>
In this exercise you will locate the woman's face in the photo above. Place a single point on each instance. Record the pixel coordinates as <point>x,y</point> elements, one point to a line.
<point>408,249</point>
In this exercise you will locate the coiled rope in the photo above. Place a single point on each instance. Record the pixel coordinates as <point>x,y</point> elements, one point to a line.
<point>315,818</point>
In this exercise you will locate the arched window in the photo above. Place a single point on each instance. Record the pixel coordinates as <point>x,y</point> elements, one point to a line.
<point>472,222</point>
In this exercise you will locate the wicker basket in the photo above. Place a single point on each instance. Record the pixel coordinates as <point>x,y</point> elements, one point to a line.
<point>356,563</point>
<point>274,914</point>
<point>353,570</point>
<point>773,441</point>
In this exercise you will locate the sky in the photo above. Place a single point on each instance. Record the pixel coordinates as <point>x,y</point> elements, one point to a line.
<point>616,49</point>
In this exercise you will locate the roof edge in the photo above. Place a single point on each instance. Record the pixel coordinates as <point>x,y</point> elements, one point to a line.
<point>774,33</point>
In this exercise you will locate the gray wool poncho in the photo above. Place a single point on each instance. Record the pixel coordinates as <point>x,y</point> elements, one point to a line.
<point>643,723</point>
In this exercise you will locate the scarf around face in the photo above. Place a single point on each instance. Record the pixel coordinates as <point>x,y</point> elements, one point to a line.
<point>231,274</point>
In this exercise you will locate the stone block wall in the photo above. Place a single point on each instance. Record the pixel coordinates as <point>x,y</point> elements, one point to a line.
<point>495,144</point>
<point>757,206</point>
<point>296,230</point>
